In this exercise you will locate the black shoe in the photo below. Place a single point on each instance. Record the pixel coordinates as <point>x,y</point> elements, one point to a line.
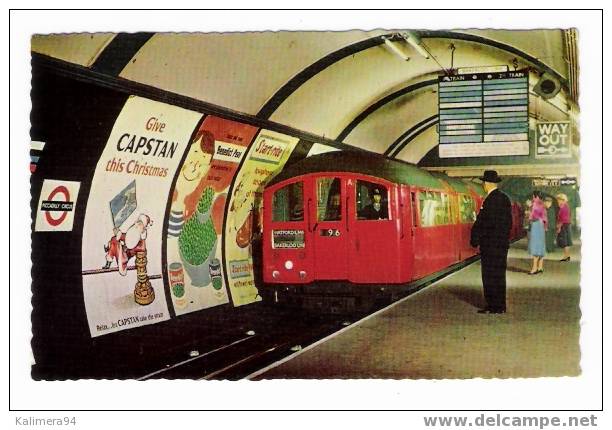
<point>107,265</point>
<point>539,271</point>
<point>565,259</point>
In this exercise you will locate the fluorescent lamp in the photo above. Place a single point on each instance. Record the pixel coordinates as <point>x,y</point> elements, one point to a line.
<point>415,41</point>
<point>397,50</point>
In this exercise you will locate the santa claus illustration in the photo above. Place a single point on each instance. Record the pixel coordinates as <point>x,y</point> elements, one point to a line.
<point>124,245</point>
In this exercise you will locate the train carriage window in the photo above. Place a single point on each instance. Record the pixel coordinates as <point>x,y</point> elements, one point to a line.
<point>372,201</point>
<point>288,203</point>
<point>434,209</point>
<point>329,203</point>
<point>467,209</point>
<point>442,210</point>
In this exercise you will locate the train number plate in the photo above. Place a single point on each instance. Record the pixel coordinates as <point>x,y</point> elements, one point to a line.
<point>329,232</point>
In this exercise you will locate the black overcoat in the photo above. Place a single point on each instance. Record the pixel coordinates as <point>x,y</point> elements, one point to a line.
<point>491,231</point>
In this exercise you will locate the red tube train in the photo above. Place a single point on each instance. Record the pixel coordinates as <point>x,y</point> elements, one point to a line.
<point>350,225</point>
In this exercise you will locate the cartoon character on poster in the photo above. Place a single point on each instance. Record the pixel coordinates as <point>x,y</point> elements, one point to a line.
<point>242,208</point>
<point>125,245</point>
<point>190,181</point>
<point>197,212</point>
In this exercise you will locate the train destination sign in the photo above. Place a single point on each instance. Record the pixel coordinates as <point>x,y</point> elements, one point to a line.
<point>288,239</point>
<point>484,114</point>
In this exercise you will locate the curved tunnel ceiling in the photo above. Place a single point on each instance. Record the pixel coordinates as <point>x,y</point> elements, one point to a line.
<point>341,85</point>
<point>239,71</point>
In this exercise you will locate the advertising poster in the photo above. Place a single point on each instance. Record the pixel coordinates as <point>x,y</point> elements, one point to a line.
<point>195,224</point>
<point>122,235</point>
<point>266,157</point>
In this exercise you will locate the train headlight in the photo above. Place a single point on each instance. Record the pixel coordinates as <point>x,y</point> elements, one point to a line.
<point>275,274</point>
<point>288,264</point>
<point>302,274</point>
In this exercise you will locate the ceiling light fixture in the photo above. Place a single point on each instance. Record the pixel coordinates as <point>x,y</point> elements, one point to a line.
<point>415,41</point>
<point>397,50</point>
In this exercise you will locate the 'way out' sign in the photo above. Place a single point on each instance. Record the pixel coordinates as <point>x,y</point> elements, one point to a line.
<point>553,139</point>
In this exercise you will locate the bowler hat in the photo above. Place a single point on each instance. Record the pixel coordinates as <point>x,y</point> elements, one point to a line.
<point>490,176</point>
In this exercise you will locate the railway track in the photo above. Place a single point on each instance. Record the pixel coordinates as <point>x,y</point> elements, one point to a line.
<point>245,355</point>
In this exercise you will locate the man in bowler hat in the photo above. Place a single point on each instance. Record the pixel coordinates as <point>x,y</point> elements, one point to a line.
<point>491,232</point>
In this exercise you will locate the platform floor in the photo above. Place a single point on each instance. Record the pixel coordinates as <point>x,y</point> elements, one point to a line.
<point>436,333</point>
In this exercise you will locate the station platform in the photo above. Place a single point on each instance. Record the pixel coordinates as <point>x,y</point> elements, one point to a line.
<point>436,333</point>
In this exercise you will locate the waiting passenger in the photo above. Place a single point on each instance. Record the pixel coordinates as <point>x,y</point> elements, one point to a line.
<point>491,232</point>
<point>537,233</point>
<point>564,236</point>
<point>551,232</point>
<point>375,210</point>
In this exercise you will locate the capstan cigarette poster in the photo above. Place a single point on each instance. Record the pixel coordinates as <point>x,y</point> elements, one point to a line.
<point>123,285</point>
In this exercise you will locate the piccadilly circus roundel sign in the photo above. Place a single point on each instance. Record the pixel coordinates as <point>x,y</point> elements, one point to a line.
<point>57,205</point>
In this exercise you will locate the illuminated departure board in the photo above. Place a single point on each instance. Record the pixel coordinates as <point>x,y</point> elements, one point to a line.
<point>484,114</point>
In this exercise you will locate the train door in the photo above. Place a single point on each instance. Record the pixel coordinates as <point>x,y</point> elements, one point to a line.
<point>374,227</point>
<point>287,245</point>
<point>420,215</point>
<point>408,222</point>
<point>328,213</point>
<point>456,227</point>
<point>467,216</point>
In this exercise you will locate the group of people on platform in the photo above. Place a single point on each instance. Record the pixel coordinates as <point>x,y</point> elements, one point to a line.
<point>547,228</point>
<point>491,231</point>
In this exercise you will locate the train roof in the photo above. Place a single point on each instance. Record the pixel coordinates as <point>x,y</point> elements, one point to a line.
<point>456,184</point>
<point>360,162</point>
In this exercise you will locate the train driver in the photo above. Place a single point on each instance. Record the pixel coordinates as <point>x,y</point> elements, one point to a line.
<point>377,209</point>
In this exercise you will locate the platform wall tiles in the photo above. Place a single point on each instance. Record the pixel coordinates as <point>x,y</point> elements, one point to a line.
<point>265,158</point>
<point>195,223</point>
<point>123,285</point>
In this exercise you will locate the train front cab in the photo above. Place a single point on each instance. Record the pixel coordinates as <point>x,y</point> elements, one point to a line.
<point>317,228</point>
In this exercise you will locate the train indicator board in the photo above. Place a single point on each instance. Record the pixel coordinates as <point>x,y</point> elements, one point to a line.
<point>484,114</point>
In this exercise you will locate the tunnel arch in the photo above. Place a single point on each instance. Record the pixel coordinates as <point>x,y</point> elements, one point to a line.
<point>306,74</point>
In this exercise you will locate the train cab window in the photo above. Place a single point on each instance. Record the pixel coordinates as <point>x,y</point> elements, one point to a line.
<point>288,203</point>
<point>329,202</point>
<point>372,201</point>
<point>467,209</point>
<point>434,208</point>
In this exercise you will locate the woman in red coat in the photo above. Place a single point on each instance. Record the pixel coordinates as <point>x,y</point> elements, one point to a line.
<point>564,237</point>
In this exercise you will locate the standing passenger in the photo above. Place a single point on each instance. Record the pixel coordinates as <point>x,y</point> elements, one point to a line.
<point>491,232</point>
<point>537,233</point>
<point>564,236</point>
<point>551,232</point>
